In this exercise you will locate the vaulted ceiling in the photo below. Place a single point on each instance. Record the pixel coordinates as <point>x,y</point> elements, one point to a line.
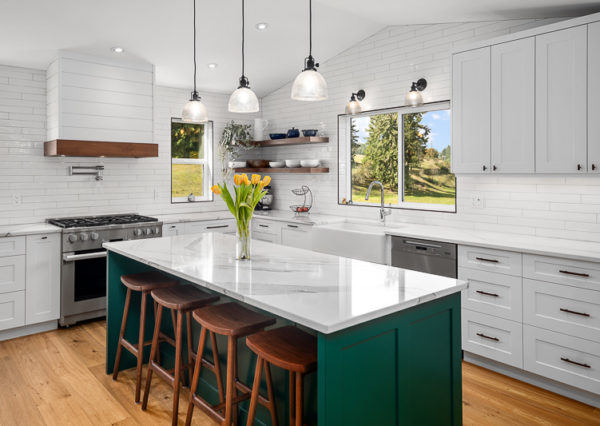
<point>160,31</point>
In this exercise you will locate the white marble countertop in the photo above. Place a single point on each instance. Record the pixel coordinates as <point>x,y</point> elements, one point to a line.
<point>277,215</point>
<point>322,292</point>
<point>579,250</point>
<point>28,229</point>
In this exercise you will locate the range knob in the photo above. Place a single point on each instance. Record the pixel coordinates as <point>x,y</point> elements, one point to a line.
<point>94,236</point>
<point>83,236</point>
<point>148,231</point>
<point>137,232</point>
<point>72,238</point>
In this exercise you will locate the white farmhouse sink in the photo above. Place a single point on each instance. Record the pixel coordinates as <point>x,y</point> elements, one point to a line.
<point>363,241</point>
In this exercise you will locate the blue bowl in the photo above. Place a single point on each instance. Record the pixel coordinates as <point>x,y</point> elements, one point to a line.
<point>309,132</point>
<point>277,135</point>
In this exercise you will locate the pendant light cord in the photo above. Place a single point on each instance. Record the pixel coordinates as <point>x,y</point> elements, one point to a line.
<point>310,27</point>
<point>243,33</point>
<point>194,46</point>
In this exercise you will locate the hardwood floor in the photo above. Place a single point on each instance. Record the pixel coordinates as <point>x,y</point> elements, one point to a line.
<point>57,378</point>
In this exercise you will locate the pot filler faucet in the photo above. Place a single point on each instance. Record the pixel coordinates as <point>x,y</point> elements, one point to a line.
<point>383,212</point>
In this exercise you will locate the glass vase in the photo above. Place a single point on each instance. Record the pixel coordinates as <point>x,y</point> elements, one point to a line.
<point>243,245</point>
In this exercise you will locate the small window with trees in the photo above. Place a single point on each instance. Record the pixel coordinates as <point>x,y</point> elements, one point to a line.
<point>406,149</point>
<point>191,161</point>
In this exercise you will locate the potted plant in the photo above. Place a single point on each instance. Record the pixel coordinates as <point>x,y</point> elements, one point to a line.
<point>235,138</point>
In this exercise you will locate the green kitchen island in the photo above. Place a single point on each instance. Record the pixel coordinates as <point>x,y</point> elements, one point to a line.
<point>389,345</point>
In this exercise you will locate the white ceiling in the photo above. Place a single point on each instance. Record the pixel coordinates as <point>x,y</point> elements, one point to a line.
<point>160,31</point>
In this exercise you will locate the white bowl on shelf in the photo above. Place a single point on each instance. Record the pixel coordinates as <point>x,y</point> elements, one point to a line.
<point>292,163</point>
<point>310,163</point>
<point>236,164</point>
<point>276,164</point>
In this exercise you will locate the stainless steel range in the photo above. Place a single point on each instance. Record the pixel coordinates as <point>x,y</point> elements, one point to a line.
<point>83,270</point>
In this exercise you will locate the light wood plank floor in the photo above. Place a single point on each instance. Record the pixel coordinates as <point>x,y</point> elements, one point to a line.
<point>57,378</point>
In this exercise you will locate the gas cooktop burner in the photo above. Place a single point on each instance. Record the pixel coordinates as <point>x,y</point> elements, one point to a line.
<point>90,221</point>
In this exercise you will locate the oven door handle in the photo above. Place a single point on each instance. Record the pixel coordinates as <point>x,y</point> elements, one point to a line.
<point>75,257</point>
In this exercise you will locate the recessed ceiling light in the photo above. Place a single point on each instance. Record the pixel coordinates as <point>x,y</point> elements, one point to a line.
<point>261,26</point>
<point>212,65</point>
<point>117,49</point>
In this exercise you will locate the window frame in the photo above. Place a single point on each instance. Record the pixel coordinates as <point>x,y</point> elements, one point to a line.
<point>207,162</point>
<point>346,120</point>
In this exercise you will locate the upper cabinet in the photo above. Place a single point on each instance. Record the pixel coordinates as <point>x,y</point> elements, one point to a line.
<point>513,107</point>
<point>528,104</point>
<point>561,93</point>
<point>594,97</point>
<point>471,111</point>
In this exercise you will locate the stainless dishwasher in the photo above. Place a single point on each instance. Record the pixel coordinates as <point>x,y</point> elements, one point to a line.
<point>425,256</point>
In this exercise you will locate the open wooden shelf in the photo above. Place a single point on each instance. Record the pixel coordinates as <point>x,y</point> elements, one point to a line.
<point>291,141</point>
<point>74,148</point>
<point>284,170</point>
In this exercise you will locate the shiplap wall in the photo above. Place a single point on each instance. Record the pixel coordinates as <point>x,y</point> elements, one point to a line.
<point>99,99</point>
<point>384,65</point>
<point>34,187</point>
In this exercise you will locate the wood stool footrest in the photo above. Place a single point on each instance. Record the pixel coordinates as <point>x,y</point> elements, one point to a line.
<point>207,408</point>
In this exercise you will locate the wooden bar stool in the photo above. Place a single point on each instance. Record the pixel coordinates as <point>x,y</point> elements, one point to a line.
<point>234,321</point>
<point>291,349</point>
<point>143,282</point>
<point>181,299</point>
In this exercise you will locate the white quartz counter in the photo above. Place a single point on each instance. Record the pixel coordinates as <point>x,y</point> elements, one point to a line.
<point>277,215</point>
<point>579,250</point>
<point>323,292</point>
<point>29,229</point>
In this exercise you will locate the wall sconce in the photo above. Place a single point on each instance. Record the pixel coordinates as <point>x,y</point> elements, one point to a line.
<point>353,107</point>
<point>414,98</point>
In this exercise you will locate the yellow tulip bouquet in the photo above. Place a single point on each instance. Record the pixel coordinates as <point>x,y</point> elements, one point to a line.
<point>246,195</point>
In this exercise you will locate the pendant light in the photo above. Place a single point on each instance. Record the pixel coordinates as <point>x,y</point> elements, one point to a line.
<point>194,110</point>
<point>353,106</point>
<point>309,85</point>
<point>414,97</point>
<point>243,99</point>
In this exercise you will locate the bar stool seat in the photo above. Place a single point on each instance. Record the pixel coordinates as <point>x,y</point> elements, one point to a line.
<point>143,282</point>
<point>181,299</point>
<point>234,321</point>
<point>291,349</point>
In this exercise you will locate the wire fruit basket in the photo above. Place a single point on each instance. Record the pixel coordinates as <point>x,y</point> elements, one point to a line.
<point>306,205</point>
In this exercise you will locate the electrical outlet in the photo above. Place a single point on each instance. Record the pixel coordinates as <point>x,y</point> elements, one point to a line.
<point>16,199</point>
<point>476,201</point>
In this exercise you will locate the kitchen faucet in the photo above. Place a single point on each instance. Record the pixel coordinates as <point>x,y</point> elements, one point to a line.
<point>383,212</point>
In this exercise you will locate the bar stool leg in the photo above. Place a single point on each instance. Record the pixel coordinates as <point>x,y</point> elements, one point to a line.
<point>230,382</point>
<point>190,364</point>
<point>255,389</point>
<point>196,378</point>
<point>178,371</point>
<point>216,363</point>
<point>122,334</point>
<point>299,404</point>
<point>270,394</point>
<point>140,355</point>
<point>292,397</point>
<point>153,355</point>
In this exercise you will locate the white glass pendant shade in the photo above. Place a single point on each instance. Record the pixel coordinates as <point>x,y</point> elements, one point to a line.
<point>243,100</point>
<point>414,98</point>
<point>194,111</point>
<point>353,107</point>
<point>309,86</point>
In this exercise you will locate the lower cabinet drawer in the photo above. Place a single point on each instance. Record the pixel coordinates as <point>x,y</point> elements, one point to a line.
<point>570,310</point>
<point>12,273</point>
<point>492,337</point>
<point>491,293</point>
<point>567,359</point>
<point>262,236</point>
<point>562,271</point>
<point>12,310</point>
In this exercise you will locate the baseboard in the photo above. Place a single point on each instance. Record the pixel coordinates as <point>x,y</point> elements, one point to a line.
<point>534,379</point>
<point>13,333</point>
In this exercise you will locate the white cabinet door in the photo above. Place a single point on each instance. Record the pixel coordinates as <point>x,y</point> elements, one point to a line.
<point>42,282</point>
<point>172,229</point>
<point>513,107</point>
<point>296,235</point>
<point>561,107</point>
<point>12,273</point>
<point>471,111</point>
<point>12,310</point>
<point>594,97</point>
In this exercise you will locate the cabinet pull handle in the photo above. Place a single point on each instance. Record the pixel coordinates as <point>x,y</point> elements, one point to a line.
<point>593,167</point>
<point>483,259</point>
<point>484,168</point>
<point>292,226</point>
<point>486,293</point>
<point>217,226</point>
<point>495,339</point>
<point>579,167</point>
<point>263,226</point>
<point>574,362</point>
<point>44,238</point>
<point>494,168</point>
<point>579,274</point>
<point>583,314</point>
